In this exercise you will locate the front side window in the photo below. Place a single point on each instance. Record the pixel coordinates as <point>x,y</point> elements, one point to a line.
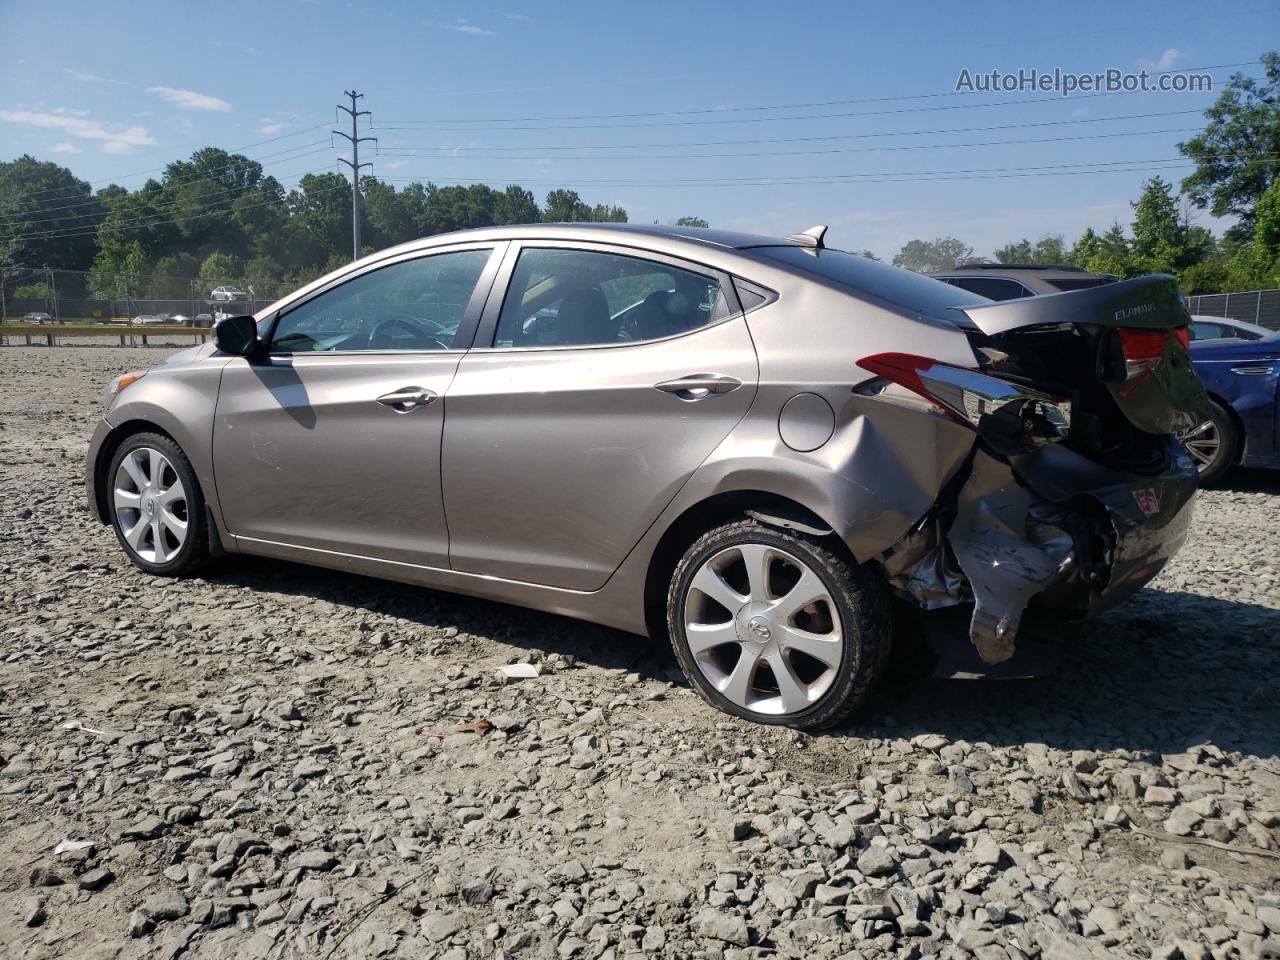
<point>411,305</point>
<point>566,298</point>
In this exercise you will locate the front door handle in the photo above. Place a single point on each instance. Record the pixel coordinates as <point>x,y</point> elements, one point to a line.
<point>699,385</point>
<point>407,398</point>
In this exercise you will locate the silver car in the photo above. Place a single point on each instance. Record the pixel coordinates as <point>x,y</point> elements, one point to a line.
<point>783,457</point>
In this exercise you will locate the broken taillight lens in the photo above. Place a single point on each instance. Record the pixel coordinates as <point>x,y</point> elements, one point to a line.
<point>1010,417</point>
<point>1140,352</point>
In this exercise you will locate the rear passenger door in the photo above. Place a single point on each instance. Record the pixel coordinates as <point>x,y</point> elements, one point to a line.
<point>598,384</point>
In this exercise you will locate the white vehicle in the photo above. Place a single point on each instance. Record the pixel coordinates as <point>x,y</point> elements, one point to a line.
<point>1224,328</point>
<point>226,294</point>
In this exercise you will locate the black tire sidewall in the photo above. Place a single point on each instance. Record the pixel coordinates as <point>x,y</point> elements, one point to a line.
<point>194,551</point>
<point>861,660</point>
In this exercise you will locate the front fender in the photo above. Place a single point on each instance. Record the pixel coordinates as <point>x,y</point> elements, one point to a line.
<point>177,400</point>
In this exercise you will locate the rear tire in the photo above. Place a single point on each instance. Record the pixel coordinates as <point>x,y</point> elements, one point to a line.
<point>156,508</point>
<point>774,626</point>
<point>1214,445</point>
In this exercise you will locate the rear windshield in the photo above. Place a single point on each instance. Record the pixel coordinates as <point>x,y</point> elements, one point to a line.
<point>1078,284</point>
<point>891,284</point>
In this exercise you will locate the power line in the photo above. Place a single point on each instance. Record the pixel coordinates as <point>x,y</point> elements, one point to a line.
<point>187,181</point>
<point>126,176</point>
<point>156,220</point>
<point>414,151</point>
<point>839,136</point>
<point>558,122</point>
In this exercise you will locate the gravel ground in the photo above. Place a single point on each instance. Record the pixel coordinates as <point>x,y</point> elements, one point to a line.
<point>278,761</point>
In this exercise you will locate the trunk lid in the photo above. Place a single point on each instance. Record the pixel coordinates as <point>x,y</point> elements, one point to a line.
<point>1118,350</point>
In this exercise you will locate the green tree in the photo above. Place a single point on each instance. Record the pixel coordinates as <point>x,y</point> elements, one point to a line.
<point>219,269</point>
<point>48,217</point>
<point>927,256</point>
<point>1088,246</point>
<point>692,222</point>
<point>1256,265</point>
<point>1237,156</point>
<point>1049,249</point>
<point>319,225</point>
<point>1020,251</point>
<point>565,206</point>
<point>515,205</point>
<point>1159,241</point>
<point>866,255</point>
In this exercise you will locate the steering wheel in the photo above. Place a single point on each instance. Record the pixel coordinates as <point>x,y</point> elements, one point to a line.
<point>421,337</point>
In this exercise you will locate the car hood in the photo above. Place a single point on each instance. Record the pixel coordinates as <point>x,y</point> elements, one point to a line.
<point>191,354</point>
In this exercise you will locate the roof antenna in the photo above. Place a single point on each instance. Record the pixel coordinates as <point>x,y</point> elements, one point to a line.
<point>811,237</point>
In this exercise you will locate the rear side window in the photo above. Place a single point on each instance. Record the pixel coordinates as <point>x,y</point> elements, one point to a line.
<point>891,284</point>
<point>993,288</point>
<point>567,298</point>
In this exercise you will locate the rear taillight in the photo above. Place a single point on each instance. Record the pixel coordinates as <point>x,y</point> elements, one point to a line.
<point>1142,351</point>
<point>1010,417</point>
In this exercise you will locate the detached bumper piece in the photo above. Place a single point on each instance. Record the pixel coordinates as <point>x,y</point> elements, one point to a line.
<point>1025,549</point>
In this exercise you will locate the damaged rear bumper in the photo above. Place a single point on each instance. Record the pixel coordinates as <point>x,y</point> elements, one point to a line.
<point>1018,552</point>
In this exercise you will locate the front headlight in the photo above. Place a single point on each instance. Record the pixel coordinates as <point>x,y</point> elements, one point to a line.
<point>119,383</point>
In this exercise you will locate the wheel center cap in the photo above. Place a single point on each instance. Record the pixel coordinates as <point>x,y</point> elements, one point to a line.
<point>148,504</point>
<point>755,626</point>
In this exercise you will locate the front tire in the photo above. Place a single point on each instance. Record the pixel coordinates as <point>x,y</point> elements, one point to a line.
<point>773,626</point>
<point>156,507</point>
<point>1214,444</point>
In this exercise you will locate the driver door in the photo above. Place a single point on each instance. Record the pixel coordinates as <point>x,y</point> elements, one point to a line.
<point>332,441</point>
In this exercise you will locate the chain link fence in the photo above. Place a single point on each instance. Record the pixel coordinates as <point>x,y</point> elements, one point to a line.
<point>75,296</point>
<point>1253,306</point>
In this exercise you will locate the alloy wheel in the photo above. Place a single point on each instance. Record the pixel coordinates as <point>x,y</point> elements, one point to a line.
<point>763,628</point>
<point>150,505</point>
<point>1204,443</point>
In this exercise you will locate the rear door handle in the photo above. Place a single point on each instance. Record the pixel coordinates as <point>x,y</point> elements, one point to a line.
<point>407,398</point>
<point>697,386</point>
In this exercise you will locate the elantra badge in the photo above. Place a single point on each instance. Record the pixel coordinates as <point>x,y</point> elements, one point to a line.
<point>1147,501</point>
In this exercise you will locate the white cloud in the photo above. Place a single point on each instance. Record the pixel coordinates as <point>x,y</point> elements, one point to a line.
<point>94,78</point>
<point>395,164</point>
<point>268,127</point>
<point>66,147</point>
<point>121,140</point>
<point>462,26</point>
<point>189,99</point>
<point>1166,60</point>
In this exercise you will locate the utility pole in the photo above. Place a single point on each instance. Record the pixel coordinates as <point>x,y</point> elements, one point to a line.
<point>354,163</point>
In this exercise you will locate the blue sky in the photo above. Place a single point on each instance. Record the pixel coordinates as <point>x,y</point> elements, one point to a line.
<point>706,93</point>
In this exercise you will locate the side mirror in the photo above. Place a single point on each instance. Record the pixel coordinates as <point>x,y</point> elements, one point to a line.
<point>237,336</point>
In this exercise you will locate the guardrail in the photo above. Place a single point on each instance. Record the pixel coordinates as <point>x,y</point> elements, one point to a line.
<point>128,335</point>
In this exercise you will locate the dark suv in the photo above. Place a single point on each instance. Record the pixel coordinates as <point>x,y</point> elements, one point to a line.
<point>1009,281</point>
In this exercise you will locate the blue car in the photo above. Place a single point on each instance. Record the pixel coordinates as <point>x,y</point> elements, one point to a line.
<point>1242,377</point>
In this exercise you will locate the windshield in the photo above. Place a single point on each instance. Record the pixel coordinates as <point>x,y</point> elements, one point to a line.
<point>860,275</point>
